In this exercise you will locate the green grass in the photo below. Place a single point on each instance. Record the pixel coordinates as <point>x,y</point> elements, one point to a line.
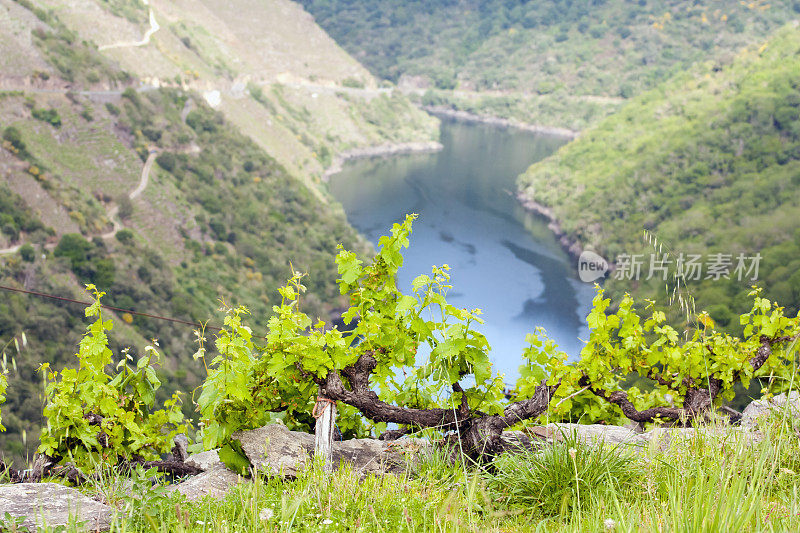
<point>565,476</point>
<point>714,481</point>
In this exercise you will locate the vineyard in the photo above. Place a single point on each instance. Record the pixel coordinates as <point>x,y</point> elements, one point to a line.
<point>405,364</point>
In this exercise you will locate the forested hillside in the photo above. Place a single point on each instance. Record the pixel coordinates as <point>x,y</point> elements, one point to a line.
<point>552,52</point>
<point>602,47</point>
<point>172,178</point>
<point>709,162</point>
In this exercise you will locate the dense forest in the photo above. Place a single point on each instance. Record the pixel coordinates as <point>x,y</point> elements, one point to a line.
<point>556,63</point>
<point>708,162</point>
<point>600,47</point>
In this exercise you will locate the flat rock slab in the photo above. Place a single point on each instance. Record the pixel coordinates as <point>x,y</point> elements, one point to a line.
<point>204,460</point>
<point>52,505</point>
<point>369,456</point>
<point>275,451</point>
<point>664,437</point>
<point>595,432</point>
<point>215,482</point>
<point>659,437</point>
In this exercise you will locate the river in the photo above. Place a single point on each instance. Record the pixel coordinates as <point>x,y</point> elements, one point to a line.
<point>504,260</point>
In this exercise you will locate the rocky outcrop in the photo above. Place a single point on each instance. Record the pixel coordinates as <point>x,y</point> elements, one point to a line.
<point>215,483</point>
<point>204,460</point>
<point>758,410</point>
<point>275,451</point>
<point>659,437</point>
<point>596,433</point>
<point>36,505</point>
<point>370,456</point>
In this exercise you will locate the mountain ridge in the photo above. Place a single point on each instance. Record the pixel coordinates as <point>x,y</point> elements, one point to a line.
<point>555,49</point>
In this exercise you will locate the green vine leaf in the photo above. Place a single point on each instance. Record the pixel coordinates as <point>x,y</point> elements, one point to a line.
<point>232,455</point>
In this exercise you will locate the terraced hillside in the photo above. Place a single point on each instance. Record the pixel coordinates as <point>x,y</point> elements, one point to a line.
<point>164,157</point>
<point>273,72</point>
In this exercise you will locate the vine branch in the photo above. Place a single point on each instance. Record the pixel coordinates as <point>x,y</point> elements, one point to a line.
<point>697,401</point>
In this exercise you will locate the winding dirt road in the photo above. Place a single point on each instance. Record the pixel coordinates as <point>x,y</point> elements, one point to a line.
<point>154,27</point>
<point>113,211</point>
<point>143,181</point>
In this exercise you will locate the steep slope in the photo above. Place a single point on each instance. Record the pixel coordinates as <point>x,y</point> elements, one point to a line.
<point>19,57</point>
<point>218,220</point>
<point>153,195</point>
<point>555,48</point>
<point>709,162</point>
<point>266,64</point>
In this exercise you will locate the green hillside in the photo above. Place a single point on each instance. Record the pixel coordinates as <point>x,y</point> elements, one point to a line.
<point>604,47</point>
<point>708,162</point>
<point>557,48</point>
<point>218,220</point>
<point>265,64</point>
<point>171,200</point>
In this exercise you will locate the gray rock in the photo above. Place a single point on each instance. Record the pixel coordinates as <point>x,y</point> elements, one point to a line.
<point>370,456</point>
<point>520,441</point>
<point>660,437</point>
<point>180,450</point>
<point>273,450</point>
<point>664,437</point>
<point>51,505</point>
<point>215,482</point>
<point>596,432</point>
<point>758,410</point>
<point>204,460</point>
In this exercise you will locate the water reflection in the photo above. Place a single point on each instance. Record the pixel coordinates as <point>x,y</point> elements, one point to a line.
<point>503,261</point>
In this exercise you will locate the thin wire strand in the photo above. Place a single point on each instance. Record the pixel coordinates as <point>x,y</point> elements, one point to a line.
<point>111,308</point>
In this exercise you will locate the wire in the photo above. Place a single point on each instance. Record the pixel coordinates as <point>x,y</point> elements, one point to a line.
<point>507,386</point>
<point>111,308</point>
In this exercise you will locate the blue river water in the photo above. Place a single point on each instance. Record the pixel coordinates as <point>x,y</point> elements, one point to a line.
<point>504,260</point>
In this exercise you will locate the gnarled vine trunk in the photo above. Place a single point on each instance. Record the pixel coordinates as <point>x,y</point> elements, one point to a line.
<point>478,434</point>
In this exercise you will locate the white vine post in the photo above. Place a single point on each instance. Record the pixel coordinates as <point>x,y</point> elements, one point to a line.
<point>325,413</point>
